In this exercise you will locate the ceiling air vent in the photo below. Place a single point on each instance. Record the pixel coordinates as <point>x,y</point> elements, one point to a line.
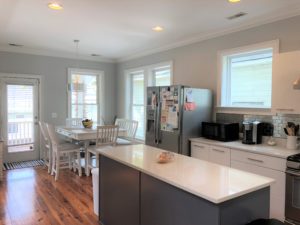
<point>95,55</point>
<point>238,15</point>
<point>15,45</point>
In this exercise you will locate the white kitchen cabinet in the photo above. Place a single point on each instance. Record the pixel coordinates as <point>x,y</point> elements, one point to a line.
<point>200,151</point>
<point>211,153</point>
<point>286,69</point>
<point>277,196</point>
<point>219,155</point>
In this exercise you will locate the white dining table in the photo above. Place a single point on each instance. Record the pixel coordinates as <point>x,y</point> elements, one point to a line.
<point>85,135</point>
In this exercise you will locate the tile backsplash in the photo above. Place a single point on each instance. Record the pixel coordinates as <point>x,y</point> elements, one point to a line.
<point>279,121</point>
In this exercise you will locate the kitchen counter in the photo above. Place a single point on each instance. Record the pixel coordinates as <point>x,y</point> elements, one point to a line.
<point>136,190</point>
<point>275,151</point>
<point>209,181</point>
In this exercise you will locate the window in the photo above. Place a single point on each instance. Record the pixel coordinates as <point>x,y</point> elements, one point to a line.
<point>161,76</point>
<point>155,75</point>
<point>246,76</point>
<point>84,94</point>
<point>138,103</point>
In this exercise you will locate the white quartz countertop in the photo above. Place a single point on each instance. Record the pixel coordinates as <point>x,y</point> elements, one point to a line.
<point>276,151</point>
<point>209,181</point>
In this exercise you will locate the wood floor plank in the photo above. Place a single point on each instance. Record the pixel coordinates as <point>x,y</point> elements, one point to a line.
<point>31,196</point>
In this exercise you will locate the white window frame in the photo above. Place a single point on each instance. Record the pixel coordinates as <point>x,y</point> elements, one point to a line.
<point>100,89</point>
<point>222,72</point>
<point>148,82</point>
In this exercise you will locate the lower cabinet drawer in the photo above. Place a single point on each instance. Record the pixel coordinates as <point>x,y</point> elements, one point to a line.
<point>200,151</point>
<point>277,201</point>
<point>220,155</point>
<point>259,160</point>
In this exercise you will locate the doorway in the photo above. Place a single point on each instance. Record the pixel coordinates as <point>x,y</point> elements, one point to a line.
<point>19,118</point>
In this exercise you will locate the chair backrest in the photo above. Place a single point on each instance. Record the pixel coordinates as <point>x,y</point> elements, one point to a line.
<point>44,132</point>
<point>107,135</point>
<point>52,135</point>
<point>74,122</point>
<point>129,125</point>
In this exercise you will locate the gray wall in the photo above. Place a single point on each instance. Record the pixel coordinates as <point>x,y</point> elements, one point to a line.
<point>54,73</point>
<point>196,64</point>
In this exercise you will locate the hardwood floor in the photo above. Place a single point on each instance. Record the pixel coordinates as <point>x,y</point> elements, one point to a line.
<point>31,196</point>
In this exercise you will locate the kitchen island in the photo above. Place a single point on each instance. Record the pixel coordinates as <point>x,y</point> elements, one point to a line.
<point>136,190</point>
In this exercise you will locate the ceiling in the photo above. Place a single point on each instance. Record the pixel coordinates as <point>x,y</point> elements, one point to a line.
<point>121,29</point>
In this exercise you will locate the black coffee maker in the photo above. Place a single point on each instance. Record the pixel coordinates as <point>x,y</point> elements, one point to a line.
<point>252,132</point>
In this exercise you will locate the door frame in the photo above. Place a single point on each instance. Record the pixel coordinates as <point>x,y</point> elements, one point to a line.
<point>39,79</point>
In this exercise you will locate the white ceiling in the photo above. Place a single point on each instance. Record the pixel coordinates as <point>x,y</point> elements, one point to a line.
<point>121,29</point>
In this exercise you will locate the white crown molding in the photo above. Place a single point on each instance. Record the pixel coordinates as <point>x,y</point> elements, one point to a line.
<point>254,23</point>
<point>51,53</point>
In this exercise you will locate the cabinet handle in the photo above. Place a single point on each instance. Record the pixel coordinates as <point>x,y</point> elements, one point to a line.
<point>255,160</point>
<point>287,110</point>
<point>199,146</point>
<point>218,150</point>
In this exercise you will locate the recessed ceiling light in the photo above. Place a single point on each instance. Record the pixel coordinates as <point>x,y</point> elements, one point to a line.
<point>234,1</point>
<point>55,6</point>
<point>158,28</point>
<point>95,55</point>
<point>15,45</point>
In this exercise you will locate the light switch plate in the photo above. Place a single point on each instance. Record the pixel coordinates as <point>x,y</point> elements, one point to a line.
<point>54,115</point>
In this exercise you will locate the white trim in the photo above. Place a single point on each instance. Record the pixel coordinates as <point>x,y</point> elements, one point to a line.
<point>274,44</point>
<point>210,35</point>
<point>27,79</point>
<point>56,54</point>
<point>100,89</point>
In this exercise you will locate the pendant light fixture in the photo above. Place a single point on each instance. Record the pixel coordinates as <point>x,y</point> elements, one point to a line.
<point>296,84</point>
<point>77,52</point>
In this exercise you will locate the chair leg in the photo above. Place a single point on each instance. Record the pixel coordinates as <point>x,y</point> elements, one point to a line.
<point>49,155</point>
<point>88,160</point>
<point>97,160</point>
<point>57,166</point>
<point>70,156</point>
<point>79,164</point>
<point>53,163</point>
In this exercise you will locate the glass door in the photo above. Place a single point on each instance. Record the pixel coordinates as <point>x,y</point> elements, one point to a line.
<point>19,119</point>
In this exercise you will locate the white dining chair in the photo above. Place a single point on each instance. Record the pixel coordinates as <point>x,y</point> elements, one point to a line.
<point>59,150</point>
<point>74,122</point>
<point>131,127</point>
<point>106,136</point>
<point>47,154</point>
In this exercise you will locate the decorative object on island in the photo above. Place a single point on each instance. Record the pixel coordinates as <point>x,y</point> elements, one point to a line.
<point>165,157</point>
<point>87,123</point>
<point>296,84</point>
<point>291,130</point>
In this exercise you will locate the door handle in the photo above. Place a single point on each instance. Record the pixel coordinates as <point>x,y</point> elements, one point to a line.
<point>292,173</point>
<point>218,150</point>
<point>256,160</point>
<point>199,146</point>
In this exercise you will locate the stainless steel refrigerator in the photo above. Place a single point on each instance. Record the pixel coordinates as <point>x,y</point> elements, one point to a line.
<point>174,114</point>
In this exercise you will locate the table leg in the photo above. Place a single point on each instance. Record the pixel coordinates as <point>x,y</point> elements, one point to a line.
<point>86,168</point>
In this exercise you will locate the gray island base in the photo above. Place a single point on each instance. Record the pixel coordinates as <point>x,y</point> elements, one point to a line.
<point>131,197</point>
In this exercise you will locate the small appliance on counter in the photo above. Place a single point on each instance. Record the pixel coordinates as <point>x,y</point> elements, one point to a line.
<point>252,132</point>
<point>292,198</point>
<point>220,131</point>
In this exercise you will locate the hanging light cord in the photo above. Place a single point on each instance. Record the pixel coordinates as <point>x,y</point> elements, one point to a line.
<point>77,52</point>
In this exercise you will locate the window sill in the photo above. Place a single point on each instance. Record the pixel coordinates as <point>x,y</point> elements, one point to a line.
<point>244,110</point>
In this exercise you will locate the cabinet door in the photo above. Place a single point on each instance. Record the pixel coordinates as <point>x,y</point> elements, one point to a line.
<point>277,204</point>
<point>286,69</point>
<point>220,155</point>
<point>200,151</point>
